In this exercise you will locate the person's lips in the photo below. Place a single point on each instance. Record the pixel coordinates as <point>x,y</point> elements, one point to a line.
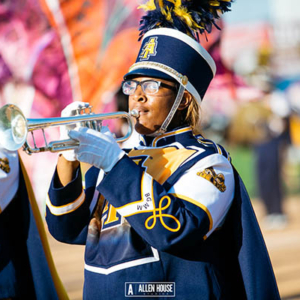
<point>142,111</point>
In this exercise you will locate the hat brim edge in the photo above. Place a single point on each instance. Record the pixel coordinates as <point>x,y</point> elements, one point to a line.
<point>147,72</point>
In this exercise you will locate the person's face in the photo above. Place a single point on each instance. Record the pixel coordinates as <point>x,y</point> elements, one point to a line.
<point>153,108</point>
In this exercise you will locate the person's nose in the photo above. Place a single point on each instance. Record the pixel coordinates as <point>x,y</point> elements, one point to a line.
<point>139,95</point>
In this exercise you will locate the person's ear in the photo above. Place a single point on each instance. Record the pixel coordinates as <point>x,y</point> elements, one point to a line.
<point>186,100</point>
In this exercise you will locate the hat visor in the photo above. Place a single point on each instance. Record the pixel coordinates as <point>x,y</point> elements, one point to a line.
<point>146,72</point>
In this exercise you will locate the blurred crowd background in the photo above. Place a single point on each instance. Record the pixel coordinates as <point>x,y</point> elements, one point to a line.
<point>53,52</point>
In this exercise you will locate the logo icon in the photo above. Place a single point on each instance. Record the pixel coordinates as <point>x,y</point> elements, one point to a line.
<point>149,49</point>
<point>149,289</point>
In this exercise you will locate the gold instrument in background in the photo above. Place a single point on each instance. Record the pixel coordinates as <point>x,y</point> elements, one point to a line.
<point>14,128</point>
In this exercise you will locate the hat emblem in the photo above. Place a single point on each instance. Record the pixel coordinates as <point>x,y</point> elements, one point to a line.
<point>149,49</point>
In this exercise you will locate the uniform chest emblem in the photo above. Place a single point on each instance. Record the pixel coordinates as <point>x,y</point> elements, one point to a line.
<point>218,180</point>
<point>161,163</point>
<point>149,49</point>
<point>4,164</point>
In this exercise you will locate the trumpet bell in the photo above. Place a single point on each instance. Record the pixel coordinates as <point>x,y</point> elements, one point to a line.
<point>13,127</point>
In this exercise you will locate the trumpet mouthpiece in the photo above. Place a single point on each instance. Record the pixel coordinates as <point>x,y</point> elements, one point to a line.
<point>134,113</point>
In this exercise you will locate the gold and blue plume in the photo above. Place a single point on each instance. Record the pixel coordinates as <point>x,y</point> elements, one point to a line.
<point>189,16</point>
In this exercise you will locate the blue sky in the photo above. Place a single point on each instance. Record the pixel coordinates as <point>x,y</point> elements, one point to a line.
<point>244,11</point>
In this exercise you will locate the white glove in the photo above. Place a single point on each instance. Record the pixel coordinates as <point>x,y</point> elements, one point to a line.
<point>68,111</point>
<point>99,149</point>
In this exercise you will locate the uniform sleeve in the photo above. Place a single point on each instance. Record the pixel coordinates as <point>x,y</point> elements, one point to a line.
<point>68,209</point>
<point>177,218</point>
<point>9,177</point>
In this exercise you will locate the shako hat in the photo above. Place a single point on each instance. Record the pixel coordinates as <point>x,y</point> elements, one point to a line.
<point>170,46</point>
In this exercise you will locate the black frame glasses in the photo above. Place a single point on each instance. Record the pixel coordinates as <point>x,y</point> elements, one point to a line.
<point>143,86</point>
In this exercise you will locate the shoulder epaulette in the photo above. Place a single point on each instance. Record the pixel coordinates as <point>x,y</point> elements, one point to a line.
<point>210,144</point>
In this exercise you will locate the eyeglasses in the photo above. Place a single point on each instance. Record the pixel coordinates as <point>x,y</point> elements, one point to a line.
<point>149,87</point>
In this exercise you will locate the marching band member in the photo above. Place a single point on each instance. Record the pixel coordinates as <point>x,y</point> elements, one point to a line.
<point>172,210</point>
<point>26,267</point>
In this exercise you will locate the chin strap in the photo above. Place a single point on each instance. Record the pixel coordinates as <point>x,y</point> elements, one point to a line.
<point>171,114</point>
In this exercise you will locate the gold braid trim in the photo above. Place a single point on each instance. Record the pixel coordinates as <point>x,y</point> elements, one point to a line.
<point>148,64</point>
<point>4,165</point>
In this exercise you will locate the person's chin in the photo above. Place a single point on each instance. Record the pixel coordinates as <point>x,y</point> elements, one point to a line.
<point>142,129</point>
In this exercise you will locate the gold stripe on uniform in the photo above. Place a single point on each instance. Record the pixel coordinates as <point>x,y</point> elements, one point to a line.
<point>203,207</point>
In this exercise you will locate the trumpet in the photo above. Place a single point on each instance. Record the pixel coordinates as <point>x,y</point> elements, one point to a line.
<point>14,128</point>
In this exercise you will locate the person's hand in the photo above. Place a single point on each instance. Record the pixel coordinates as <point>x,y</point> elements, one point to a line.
<point>99,149</point>
<point>68,111</point>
